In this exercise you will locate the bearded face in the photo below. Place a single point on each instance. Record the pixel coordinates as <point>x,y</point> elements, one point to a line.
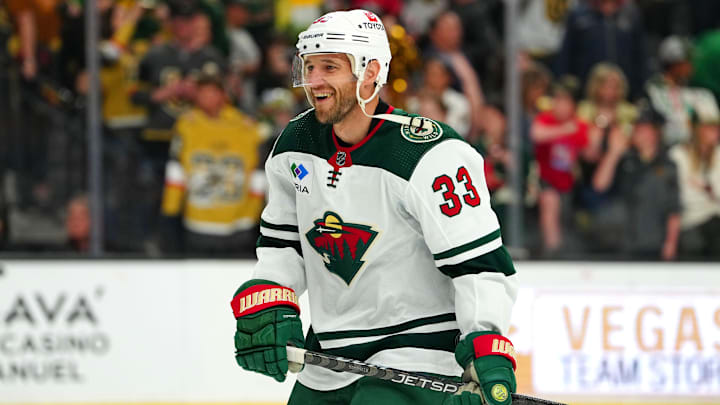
<point>331,86</point>
<point>334,103</point>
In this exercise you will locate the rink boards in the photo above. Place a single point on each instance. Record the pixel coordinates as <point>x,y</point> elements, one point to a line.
<point>160,332</point>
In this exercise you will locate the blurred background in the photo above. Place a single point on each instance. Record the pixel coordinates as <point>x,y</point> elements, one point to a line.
<point>598,121</point>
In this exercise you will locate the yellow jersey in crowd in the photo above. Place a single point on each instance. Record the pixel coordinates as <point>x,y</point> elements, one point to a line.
<point>119,81</point>
<point>214,178</point>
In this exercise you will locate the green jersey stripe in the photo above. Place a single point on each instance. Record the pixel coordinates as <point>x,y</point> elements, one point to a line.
<point>445,341</point>
<point>268,242</point>
<point>470,245</point>
<point>388,330</point>
<point>497,261</point>
<point>286,228</point>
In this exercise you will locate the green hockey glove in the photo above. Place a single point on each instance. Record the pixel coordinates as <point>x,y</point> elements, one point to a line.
<point>268,319</point>
<point>489,361</point>
<point>465,397</point>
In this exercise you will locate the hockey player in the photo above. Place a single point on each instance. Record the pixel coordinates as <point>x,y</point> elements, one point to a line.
<point>384,219</point>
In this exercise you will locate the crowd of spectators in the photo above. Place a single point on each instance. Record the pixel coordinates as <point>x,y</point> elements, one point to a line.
<point>620,126</point>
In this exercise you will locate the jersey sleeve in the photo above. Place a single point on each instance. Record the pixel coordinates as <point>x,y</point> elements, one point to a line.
<point>278,247</point>
<point>448,196</point>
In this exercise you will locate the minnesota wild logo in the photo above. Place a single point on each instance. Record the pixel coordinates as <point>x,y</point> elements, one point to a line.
<point>418,134</point>
<point>341,244</point>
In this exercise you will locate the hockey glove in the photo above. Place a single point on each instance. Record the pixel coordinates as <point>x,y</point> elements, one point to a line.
<point>489,361</point>
<point>268,319</point>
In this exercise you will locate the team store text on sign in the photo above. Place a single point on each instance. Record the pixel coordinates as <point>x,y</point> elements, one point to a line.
<point>644,343</point>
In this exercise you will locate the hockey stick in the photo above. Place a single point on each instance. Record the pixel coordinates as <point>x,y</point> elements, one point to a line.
<point>330,362</point>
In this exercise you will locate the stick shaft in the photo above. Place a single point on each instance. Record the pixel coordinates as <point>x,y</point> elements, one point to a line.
<point>335,363</point>
<point>439,384</point>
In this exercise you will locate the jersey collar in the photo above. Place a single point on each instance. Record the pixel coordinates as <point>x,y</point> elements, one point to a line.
<point>375,124</point>
<point>342,157</point>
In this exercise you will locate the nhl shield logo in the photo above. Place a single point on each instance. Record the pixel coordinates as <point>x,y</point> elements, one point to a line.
<point>342,245</point>
<point>341,158</point>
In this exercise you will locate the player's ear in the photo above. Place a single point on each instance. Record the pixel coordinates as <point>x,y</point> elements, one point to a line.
<point>371,72</point>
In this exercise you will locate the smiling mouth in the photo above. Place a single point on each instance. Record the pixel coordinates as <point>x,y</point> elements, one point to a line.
<point>320,97</point>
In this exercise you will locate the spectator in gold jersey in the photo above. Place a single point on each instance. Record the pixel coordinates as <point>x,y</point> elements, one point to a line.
<point>214,183</point>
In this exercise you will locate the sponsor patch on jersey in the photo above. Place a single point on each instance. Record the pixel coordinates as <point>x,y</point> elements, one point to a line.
<point>299,171</point>
<point>302,176</point>
<point>341,244</point>
<point>418,134</point>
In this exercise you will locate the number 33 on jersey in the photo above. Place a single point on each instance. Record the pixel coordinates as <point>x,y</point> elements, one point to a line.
<point>453,205</point>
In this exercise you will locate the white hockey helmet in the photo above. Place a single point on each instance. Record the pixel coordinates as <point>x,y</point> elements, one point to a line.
<point>361,35</point>
<point>358,33</point>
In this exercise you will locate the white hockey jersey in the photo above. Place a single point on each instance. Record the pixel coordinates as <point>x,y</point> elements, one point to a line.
<point>393,239</point>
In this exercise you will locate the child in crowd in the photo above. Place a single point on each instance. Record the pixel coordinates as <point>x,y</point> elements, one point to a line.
<point>559,135</point>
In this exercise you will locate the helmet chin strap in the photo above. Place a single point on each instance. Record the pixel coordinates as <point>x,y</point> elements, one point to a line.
<point>420,124</point>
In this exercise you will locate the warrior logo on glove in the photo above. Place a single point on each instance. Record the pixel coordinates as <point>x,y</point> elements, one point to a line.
<point>261,296</point>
